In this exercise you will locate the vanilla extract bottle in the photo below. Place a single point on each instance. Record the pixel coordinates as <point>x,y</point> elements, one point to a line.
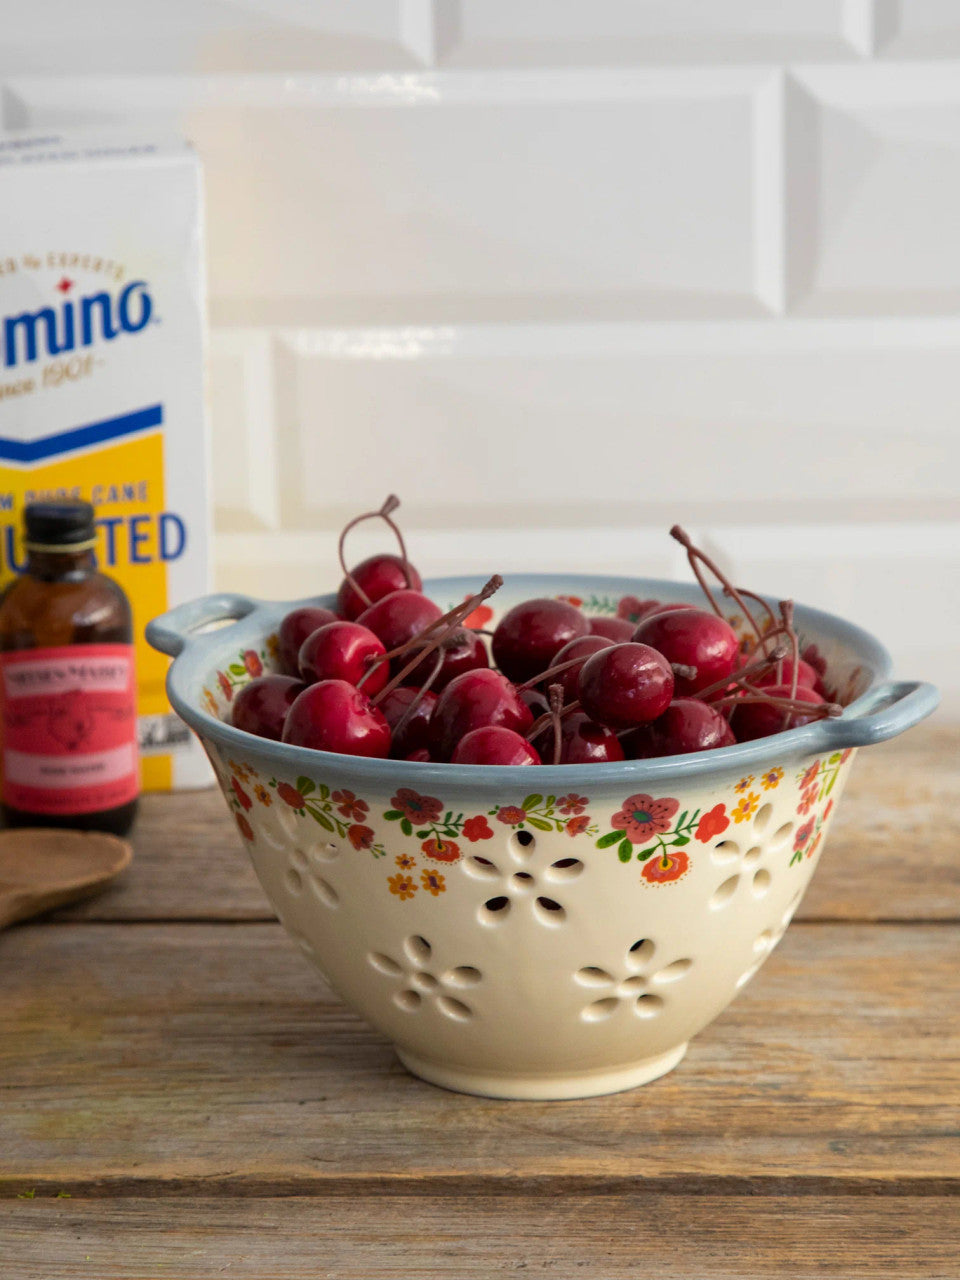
<point>68,712</point>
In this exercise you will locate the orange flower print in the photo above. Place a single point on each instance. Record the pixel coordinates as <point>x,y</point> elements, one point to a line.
<point>810,776</point>
<point>771,778</point>
<point>827,810</point>
<point>434,882</point>
<point>746,807</point>
<point>405,862</point>
<point>578,824</point>
<point>262,794</point>
<point>572,803</point>
<point>415,807</point>
<point>477,829</point>
<point>743,784</point>
<point>360,837</point>
<point>713,823</point>
<point>807,800</point>
<point>225,688</point>
<point>245,828</point>
<point>291,795</point>
<point>666,866</point>
<point>211,702</point>
<point>348,804</point>
<point>803,835</point>
<point>441,850</point>
<point>402,886</point>
<point>845,756</point>
<point>251,660</point>
<point>815,844</point>
<point>272,646</point>
<point>576,601</point>
<point>480,616</point>
<point>241,795</point>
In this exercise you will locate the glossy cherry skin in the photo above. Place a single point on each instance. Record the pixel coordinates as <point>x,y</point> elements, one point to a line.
<point>471,701</point>
<point>335,716</point>
<point>378,576</point>
<point>619,630</point>
<point>399,616</point>
<point>493,744</point>
<point>687,725</point>
<point>759,720</point>
<point>262,705</point>
<point>415,734</point>
<point>536,701</point>
<point>529,636</point>
<point>344,651</point>
<point>806,676</point>
<point>463,651</point>
<point>420,756</point>
<point>694,637</point>
<point>294,629</point>
<point>582,648</point>
<point>625,685</point>
<point>583,741</point>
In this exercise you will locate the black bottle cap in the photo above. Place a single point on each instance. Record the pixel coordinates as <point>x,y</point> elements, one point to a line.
<point>59,524</point>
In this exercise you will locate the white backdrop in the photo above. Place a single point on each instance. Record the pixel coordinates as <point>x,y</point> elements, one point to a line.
<point>562,273</point>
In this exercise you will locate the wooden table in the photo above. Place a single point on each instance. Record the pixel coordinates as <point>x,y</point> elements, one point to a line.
<point>180,1096</point>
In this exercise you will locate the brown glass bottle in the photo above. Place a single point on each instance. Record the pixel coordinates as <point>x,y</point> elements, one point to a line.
<point>67,688</point>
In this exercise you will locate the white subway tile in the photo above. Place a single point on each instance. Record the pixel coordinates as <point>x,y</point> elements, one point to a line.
<point>920,29</point>
<point>457,196</point>
<point>646,423</point>
<point>142,36</point>
<point>243,430</point>
<point>491,33</point>
<point>874,189</point>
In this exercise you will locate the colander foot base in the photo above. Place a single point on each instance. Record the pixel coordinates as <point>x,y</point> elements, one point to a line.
<point>542,1088</point>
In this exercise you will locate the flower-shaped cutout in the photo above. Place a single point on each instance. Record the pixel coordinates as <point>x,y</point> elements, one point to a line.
<point>421,981</point>
<point>522,876</point>
<point>637,986</point>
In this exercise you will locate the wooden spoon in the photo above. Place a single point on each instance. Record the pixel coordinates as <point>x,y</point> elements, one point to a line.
<point>42,868</point>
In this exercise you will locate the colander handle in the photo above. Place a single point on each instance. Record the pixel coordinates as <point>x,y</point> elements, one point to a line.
<point>171,631</point>
<point>880,714</point>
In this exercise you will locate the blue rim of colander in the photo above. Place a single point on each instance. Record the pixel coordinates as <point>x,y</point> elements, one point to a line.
<point>187,634</point>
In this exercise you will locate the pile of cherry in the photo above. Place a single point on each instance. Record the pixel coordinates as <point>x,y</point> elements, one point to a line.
<point>389,674</point>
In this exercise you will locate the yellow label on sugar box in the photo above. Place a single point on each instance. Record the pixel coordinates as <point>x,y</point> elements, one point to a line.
<point>101,314</point>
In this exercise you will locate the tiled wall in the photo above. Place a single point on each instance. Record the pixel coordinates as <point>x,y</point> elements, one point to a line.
<point>581,269</point>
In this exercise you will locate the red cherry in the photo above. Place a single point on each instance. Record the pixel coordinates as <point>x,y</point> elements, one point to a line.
<point>470,701</point>
<point>462,651</point>
<point>493,744</point>
<point>399,616</point>
<point>529,636</point>
<point>344,651</point>
<point>626,684</point>
<point>421,756</point>
<point>751,720</point>
<point>335,716</point>
<point>415,733</point>
<point>687,725</point>
<point>583,741</point>
<point>261,706</point>
<point>377,576</point>
<point>538,702</point>
<point>693,637</point>
<point>806,676</point>
<point>582,648</point>
<point>619,630</point>
<point>294,629</point>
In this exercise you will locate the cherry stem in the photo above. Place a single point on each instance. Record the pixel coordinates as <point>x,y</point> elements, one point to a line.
<point>546,719</point>
<point>786,613</point>
<point>752,668</point>
<point>384,512</point>
<point>424,689</point>
<point>751,694</point>
<point>556,710</point>
<point>553,671</point>
<point>693,555</point>
<point>453,619</point>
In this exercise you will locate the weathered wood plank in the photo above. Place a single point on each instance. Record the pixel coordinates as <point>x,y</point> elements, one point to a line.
<point>892,852</point>
<point>143,1054</point>
<point>616,1237</point>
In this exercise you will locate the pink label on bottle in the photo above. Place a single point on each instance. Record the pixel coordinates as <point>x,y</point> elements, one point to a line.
<point>69,728</point>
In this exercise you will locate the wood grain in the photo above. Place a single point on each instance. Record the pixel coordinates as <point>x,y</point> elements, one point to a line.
<point>475,1237</point>
<point>137,1057</point>
<point>892,852</point>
